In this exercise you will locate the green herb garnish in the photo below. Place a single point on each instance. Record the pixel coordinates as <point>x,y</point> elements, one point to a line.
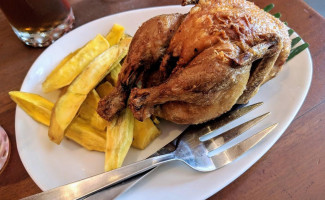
<point>269,7</point>
<point>290,31</point>
<point>297,50</point>
<point>294,41</point>
<point>277,15</point>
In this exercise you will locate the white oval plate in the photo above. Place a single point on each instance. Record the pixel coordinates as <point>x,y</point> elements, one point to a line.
<point>51,165</point>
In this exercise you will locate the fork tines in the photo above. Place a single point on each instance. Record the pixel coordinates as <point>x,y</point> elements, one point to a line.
<point>237,150</point>
<point>223,158</point>
<point>229,135</point>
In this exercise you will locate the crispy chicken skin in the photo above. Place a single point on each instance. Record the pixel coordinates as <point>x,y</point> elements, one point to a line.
<point>187,2</point>
<point>220,54</point>
<point>190,94</point>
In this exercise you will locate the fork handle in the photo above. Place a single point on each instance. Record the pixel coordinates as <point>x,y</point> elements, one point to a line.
<point>88,186</point>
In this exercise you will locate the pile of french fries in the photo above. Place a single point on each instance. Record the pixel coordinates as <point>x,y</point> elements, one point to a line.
<point>83,77</point>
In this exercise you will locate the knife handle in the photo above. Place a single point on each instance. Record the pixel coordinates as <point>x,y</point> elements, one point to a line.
<point>119,188</point>
<point>88,186</point>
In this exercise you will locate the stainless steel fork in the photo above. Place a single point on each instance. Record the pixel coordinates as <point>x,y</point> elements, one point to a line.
<point>190,150</point>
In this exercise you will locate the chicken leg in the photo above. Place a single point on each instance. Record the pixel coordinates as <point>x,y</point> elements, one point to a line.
<point>146,49</point>
<point>211,74</point>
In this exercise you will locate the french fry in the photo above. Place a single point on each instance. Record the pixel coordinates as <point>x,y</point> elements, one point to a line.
<point>144,133</point>
<point>119,136</point>
<point>104,89</point>
<point>113,76</point>
<point>124,49</point>
<point>82,133</point>
<point>63,113</point>
<point>79,131</point>
<point>116,68</point>
<point>68,104</point>
<point>34,105</point>
<point>115,34</point>
<point>88,111</point>
<point>100,67</point>
<point>155,120</point>
<point>70,68</point>
<point>74,114</point>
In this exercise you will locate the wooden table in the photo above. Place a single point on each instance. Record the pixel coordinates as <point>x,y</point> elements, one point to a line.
<point>294,168</point>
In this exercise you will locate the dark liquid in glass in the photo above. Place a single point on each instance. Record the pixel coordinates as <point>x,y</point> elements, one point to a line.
<point>35,15</point>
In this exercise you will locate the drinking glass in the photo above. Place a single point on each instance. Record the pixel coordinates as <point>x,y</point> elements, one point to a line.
<point>38,23</point>
<point>4,149</point>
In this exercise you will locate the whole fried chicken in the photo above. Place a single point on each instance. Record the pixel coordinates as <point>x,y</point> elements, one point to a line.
<point>191,68</point>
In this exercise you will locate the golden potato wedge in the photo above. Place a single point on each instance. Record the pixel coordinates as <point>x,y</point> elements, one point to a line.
<point>81,86</point>
<point>113,76</point>
<point>104,89</point>
<point>65,109</point>
<point>119,136</point>
<point>88,111</point>
<point>123,50</point>
<point>155,120</point>
<point>79,131</point>
<point>34,105</point>
<point>116,68</point>
<point>115,34</point>
<point>144,133</point>
<point>68,104</point>
<point>69,69</point>
<point>82,133</point>
<point>98,69</point>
